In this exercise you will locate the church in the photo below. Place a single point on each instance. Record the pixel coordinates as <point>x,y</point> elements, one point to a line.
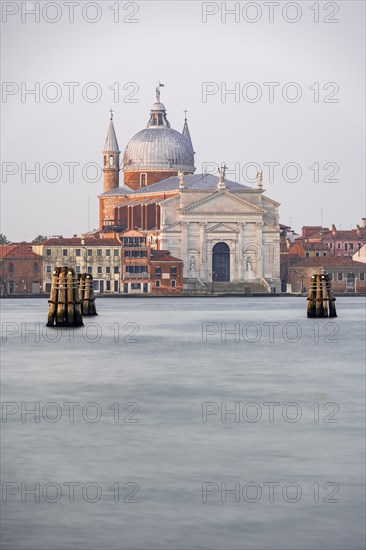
<point>222,230</point>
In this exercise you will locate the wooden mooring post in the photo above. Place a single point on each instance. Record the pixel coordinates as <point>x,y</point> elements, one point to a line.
<point>64,307</point>
<point>86,294</point>
<point>321,302</point>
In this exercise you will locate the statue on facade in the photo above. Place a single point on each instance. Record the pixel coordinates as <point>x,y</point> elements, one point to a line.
<point>259,178</point>
<point>181,179</point>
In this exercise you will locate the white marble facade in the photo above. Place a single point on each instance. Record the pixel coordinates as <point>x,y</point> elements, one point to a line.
<point>195,220</point>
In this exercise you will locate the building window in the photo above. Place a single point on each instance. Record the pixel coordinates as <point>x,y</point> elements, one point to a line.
<point>77,252</point>
<point>307,254</point>
<point>135,286</point>
<point>108,270</point>
<point>77,269</point>
<point>35,268</point>
<point>340,277</point>
<point>330,245</point>
<point>136,268</point>
<point>11,268</point>
<point>134,241</point>
<point>90,270</point>
<point>351,246</point>
<point>339,246</point>
<point>96,285</point>
<point>115,252</point>
<point>157,284</point>
<point>324,253</point>
<point>48,269</point>
<point>346,246</point>
<point>331,276</point>
<point>64,252</point>
<point>90,252</point>
<point>99,270</point>
<point>362,276</point>
<point>173,271</point>
<point>48,252</point>
<point>174,283</point>
<point>107,252</point>
<point>99,251</point>
<point>316,254</point>
<point>107,285</point>
<point>158,271</point>
<point>143,178</point>
<point>135,253</point>
<point>358,246</point>
<point>116,283</point>
<point>116,269</point>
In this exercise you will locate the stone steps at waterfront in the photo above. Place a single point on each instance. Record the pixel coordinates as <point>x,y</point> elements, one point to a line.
<point>237,287</point>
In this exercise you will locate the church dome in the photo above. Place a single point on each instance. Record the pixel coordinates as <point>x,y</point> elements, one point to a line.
<point>158,147</point>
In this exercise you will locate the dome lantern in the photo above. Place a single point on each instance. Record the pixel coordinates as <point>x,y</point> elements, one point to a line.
<point>158,151</point>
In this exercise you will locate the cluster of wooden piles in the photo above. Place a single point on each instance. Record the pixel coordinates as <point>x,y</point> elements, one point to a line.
<point>71,298</point>
<point>321,302</point>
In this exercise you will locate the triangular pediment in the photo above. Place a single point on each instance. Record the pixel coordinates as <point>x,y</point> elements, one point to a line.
<point>222,228</point>
<point>222,202</point>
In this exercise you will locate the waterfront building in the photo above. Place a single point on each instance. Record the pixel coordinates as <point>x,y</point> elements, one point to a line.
<point>346,274</point>
<point>100,258</point>
<point>21,270</point>
<point>221,230</point>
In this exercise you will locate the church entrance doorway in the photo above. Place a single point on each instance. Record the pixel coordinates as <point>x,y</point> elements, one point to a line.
<point>221,262</point>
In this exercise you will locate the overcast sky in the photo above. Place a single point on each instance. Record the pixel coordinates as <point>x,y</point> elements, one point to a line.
<point>169,42</point>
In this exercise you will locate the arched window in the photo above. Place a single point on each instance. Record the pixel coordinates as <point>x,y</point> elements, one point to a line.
<point>111,160</point>
<point>105,160</point>
<point>11,268</point>
<point>35,268</point>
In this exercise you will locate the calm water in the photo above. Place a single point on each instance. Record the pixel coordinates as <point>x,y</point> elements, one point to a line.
<point>153,457</point>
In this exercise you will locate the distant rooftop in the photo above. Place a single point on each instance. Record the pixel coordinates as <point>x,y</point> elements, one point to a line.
<point>191,182</point>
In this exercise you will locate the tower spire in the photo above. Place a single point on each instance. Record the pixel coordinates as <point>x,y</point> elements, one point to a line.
<point>185,131</point>
<point>111,154</point>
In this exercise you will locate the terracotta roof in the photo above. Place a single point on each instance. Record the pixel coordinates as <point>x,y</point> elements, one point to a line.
<point>312,246</point>
<point>346,234</point>
<point>163,256</point>
<point>76,241</point>
<point>325,261</point>
<point>17,251</point>
<point>6,248</point>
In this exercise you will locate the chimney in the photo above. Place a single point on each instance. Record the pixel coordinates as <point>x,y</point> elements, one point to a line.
<point>363,222</point>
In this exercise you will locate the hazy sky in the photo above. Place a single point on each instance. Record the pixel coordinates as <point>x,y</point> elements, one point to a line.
<point>170,42</point>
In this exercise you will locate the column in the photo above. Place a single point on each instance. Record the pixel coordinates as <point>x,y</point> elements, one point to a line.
<point>184,242</point>
<point>260,248</point>
<point>241,266</point>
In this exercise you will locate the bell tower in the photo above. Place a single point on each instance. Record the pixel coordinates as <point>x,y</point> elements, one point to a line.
<point>111,154</point>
